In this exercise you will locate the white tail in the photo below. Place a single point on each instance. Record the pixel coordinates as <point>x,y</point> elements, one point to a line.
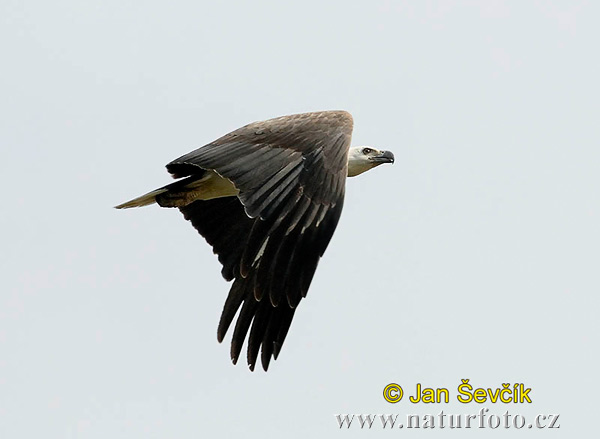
<point>205,186</point>
<point>144,200</point>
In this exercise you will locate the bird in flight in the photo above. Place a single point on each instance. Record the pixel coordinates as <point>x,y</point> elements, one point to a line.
<point>267,197</point>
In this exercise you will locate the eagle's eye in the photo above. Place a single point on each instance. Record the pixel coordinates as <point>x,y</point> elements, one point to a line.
<point>367,150</point>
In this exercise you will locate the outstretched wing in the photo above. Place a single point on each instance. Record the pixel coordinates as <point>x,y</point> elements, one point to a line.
<point>290,172</point>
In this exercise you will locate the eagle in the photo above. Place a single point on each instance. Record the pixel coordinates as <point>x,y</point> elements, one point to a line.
<point>267,197</point>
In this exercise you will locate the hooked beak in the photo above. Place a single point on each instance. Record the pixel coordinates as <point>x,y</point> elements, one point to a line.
<point>384,157</point>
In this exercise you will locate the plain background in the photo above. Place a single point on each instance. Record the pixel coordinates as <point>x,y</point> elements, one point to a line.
<point>474,256</point>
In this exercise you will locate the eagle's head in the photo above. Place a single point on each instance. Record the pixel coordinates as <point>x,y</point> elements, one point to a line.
<point>363,158</point>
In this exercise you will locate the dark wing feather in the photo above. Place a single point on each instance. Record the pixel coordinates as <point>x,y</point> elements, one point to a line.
<point>225,226</point>
<point>291,173</point>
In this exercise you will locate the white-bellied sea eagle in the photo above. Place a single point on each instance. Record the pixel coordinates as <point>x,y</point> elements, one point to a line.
<point>267,197</point>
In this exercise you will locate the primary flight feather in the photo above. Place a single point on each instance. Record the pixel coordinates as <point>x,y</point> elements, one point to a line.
<point>267,197</point>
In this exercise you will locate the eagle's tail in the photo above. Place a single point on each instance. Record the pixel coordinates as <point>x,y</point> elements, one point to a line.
<point>144,200</point>
<point>176,194</point>
<point>201,186</point>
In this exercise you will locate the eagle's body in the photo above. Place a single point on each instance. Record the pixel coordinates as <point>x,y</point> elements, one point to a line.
<point>267,197</point>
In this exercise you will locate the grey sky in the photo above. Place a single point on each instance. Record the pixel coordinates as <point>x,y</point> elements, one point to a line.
<point>474,256</point>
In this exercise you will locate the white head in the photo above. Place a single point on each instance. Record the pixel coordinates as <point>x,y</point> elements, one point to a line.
<point>363,158</point>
